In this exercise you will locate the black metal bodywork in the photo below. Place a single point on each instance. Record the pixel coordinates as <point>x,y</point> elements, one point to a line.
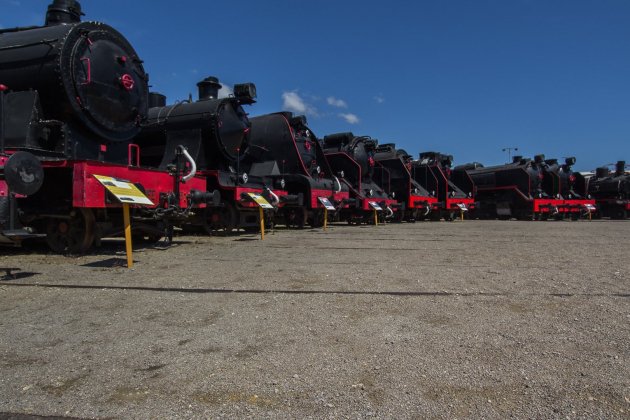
<point>304,170</point>
<point>352,160</point>
<point>455,194</point>
<point>217,134</point>
<point>393,174</point>
<point>610,189</point>
<point>75,90</point>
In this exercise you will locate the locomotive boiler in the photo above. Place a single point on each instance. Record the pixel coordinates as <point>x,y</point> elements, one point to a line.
<point>352,160</point>
<point>610,189</point>
<point>72,96</point>
<point>304,170</point>
<point>216,132</point>
<point>454,194</point>
<point>393,174</point>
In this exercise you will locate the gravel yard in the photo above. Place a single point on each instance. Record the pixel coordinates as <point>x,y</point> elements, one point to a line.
<point>426,320</point>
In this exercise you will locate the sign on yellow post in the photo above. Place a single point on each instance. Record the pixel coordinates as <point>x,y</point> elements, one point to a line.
<point>262,205</point>
<point>127,193</point>
<point>327,206</point>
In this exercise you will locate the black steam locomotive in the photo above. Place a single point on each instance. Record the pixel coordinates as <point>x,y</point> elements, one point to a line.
<point>217,134</point>
<point>352,160</point>
<point>393,174</point>
<point>72,96</point>
<point>610,189</point>
<point>454,193</point>
<point>527,189</point>
<point>304,170</point>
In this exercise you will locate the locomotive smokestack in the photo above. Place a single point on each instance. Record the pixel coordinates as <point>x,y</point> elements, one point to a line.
<point>620,167</point>
<point>63,11</point>
<point>209,88</point>
<point>517,159</point>
<point>156,100</point>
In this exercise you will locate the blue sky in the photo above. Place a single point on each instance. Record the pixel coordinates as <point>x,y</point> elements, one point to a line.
<point>466,77</point>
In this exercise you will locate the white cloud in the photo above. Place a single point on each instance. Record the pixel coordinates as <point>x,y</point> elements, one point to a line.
<point>339,103</point>
<point>350,118</point>
<point>293,102</point>
<point>226,91</point>
<point>379,99</point>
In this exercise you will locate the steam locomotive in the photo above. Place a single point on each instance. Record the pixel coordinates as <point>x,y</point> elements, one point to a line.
<point>304,170</point>
<point>393,174</point>
<point>610,189</point>
<point>217,134</point>
<point>72,97</point>
<point>527,189</point>
<point>352,160</point>
<point>454,194</point>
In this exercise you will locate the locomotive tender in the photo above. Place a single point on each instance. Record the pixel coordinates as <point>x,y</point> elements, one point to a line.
<point>72,97</point>
<point>393,174</point>
<point>527,189</point>
<point>304,170</point>
<point>352,160</point>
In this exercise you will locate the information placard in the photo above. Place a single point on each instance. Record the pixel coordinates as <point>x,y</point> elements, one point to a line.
<point>326,203</point>
<point>260,200</point>
<point>125,191</point>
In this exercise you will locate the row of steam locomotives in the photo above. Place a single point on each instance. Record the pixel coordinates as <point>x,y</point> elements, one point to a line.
<point>75,104</point>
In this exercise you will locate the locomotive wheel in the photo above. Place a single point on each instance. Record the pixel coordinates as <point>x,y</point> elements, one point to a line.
<point>225,217</point>
<point>317,219</point>
<point>619,214</point>
<point>74,235</point>
<point>296,217</point>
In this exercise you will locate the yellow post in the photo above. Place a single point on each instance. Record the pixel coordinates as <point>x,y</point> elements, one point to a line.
<point>375,218</point>
<point>127,235</point>
<point>461,214</point>
<point>325,218</point>
<point>590,216</point>
<point>262,223</point>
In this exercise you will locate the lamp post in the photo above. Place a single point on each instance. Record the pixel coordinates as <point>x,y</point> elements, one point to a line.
<point>509,151</point>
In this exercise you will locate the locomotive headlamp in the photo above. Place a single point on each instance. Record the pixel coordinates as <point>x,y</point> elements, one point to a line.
<point>342,174</point>
<point>433,193</point>
<point>282,183</point>
<point>415,191</point>
<point>469,194</point>
<point>570,161</point>
<point>589,196</point>
<point>244,178</point>
<point>318,169</point>
<point>393,195</point>
<point>245,93</point>
<point>452,193</point>
<point>370,192</point>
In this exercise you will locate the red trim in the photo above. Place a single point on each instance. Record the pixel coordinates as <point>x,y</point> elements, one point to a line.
<point>315,194</point>
<point>297,150</point>
<point>366,202</point>
<point>88,192</point>
<point>418,201</point>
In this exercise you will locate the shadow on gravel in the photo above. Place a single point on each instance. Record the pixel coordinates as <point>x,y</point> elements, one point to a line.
<point>314,292</point>
<point>108,263</point>
<point>16,276</point>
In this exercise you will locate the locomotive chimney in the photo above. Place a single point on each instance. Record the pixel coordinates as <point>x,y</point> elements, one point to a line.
<point>620,167</point>
<point>517,159</point>
<point>156,100</point>
<point>63,11</point>
<point>601,172</point>
<point>209,88</point>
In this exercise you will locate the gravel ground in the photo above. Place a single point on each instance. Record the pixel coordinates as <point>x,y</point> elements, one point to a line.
<point>444,320</point>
